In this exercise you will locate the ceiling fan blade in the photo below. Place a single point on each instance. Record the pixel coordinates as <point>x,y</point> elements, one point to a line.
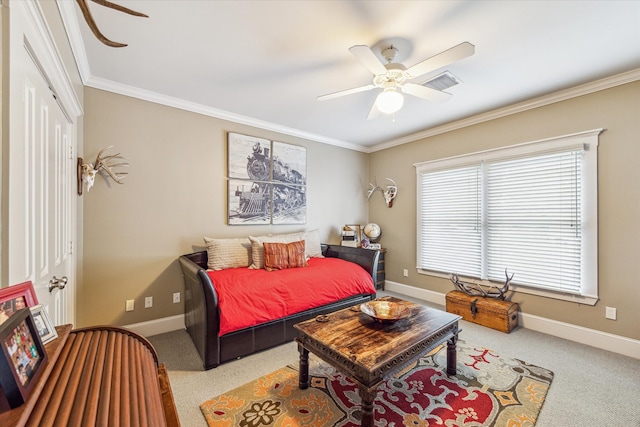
<point>373,112</point>
<point>442,59</point>
<point>425,92</point>
<point>368,59</point>
<point>345,92</point>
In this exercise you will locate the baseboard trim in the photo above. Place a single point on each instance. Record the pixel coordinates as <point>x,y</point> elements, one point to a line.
<point>603,340</point>
<point>412,291</point>
<point>158,326</point>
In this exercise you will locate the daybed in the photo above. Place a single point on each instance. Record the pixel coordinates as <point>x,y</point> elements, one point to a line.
<point>218,342</point>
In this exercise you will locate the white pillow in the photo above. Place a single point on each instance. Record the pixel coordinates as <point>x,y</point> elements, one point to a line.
<point>228,253</point>
<point>257,250</point>
<point>312,245</point>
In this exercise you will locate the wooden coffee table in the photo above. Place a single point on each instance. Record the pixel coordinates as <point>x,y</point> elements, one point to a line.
<point>370,352</point>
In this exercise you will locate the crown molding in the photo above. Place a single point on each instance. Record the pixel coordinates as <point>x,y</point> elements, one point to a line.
<point>193,107</point>
<point>552,98</point>
<point>71,26</point>
<point>563,95</point>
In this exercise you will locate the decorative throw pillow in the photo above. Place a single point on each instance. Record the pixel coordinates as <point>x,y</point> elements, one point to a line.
<point>257,249</point>
<point>227,253</point>
<point>297,255</point>
<point>276,256</point>
<point>312,244</point>
<point>280,256</point>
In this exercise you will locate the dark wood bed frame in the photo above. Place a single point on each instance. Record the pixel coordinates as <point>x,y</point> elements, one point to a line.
<point>202,317</point>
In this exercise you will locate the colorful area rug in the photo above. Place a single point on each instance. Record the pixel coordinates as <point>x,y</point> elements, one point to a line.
<point>488,390</point>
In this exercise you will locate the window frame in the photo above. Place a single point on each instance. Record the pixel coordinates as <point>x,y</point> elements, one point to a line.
<point>589,245</point>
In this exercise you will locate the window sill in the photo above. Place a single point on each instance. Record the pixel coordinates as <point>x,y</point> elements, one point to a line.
<point>580,299</point>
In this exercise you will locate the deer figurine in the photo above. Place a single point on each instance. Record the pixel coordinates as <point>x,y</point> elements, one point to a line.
<point>105,164</point>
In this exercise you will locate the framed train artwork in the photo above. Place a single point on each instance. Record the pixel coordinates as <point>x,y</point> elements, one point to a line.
<point>267,181</point>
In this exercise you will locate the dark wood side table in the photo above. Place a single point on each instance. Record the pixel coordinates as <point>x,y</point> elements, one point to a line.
<point>381,270</point>
<point>370,352</point>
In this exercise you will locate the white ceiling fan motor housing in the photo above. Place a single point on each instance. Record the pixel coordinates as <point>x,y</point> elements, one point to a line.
<point>395,76</point>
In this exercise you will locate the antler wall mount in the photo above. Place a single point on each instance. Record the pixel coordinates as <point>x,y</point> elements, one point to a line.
<point>86,12</point>
<point>389,193</point>
<point>103,164</point>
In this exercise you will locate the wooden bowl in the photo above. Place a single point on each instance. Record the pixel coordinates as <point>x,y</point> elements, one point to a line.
<point>385,311</point>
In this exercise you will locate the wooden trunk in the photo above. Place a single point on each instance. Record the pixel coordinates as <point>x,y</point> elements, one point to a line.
<point>493,313</point>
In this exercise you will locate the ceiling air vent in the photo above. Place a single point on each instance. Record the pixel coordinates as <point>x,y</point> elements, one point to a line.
<point>442,81</point>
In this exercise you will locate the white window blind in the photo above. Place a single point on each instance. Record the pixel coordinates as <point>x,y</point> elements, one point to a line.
<point>451,221</point>
<point>531,209</point>
<point>534,220</point>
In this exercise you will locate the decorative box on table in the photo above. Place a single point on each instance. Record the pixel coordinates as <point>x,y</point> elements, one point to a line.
<point>490,312</point>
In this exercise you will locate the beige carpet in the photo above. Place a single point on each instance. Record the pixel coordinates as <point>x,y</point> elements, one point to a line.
<point>591,387</point>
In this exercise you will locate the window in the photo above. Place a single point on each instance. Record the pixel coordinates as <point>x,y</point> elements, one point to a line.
<point>529,208</point>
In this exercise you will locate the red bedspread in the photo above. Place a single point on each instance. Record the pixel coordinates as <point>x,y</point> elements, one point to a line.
<point>250,297</point>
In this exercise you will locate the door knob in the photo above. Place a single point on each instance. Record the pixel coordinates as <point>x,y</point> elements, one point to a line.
<point>58,283</point>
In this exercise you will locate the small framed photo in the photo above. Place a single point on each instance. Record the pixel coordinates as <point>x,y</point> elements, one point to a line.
<point>16,297</point>
<point>22,359</point>
<point>45,328</point>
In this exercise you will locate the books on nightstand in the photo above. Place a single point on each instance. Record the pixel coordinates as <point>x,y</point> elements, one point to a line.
<point>351,236</point>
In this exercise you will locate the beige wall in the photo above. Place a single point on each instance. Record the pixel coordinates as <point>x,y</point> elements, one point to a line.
<point>614,109</point>
<point>174,195</point>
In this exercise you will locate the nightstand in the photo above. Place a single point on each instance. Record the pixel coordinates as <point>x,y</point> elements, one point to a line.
<point>380,270</point>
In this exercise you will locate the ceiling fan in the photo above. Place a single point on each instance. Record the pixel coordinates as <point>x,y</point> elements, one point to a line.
<point>394,78</point>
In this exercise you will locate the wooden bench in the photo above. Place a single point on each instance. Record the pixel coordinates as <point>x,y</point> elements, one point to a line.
<point>98,376</point>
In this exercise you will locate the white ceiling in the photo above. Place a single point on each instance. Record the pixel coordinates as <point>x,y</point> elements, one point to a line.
<point>264,62</point>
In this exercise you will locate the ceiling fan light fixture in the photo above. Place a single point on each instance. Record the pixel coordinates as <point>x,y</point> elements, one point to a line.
<point>389,101</point>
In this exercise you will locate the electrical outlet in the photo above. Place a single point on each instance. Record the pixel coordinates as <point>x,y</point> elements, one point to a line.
<point>129,305</point>
<point>405,272</point>
<point>148,302</point>
<point>611,313</point>
<point>176,297</point>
